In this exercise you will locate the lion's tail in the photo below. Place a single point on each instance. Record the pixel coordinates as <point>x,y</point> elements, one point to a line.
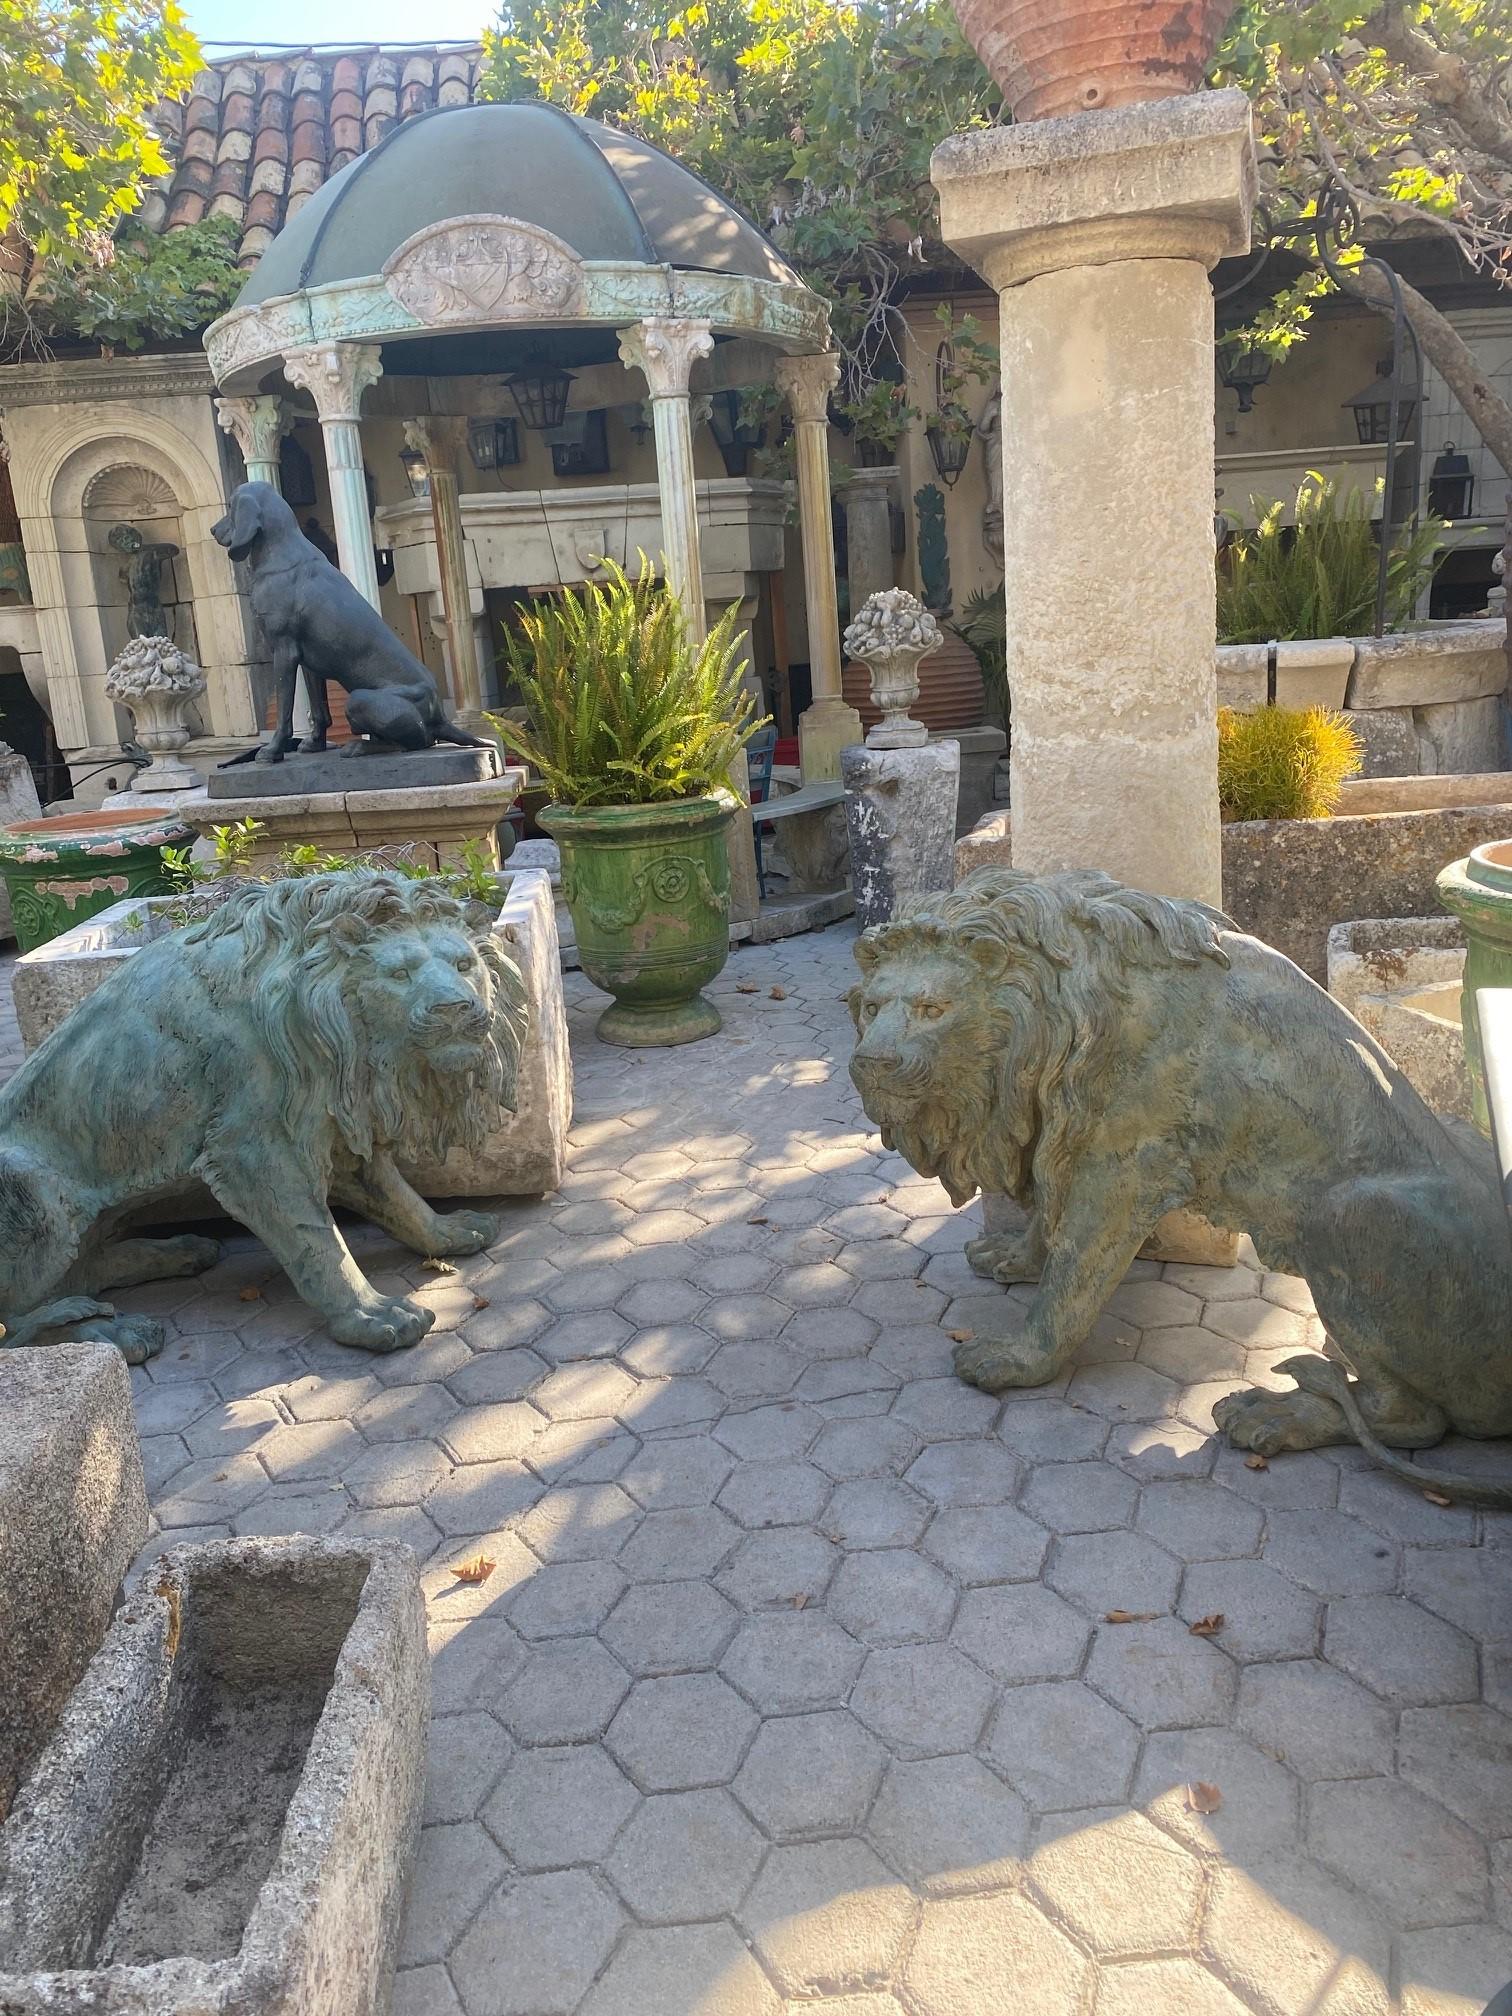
<point>1333,1382</point>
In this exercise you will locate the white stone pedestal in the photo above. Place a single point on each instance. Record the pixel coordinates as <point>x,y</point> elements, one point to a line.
<point>900,811</point>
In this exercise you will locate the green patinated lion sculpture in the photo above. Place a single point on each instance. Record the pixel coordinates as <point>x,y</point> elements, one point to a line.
<point>1103,1057</point>
<point>289,1050</point>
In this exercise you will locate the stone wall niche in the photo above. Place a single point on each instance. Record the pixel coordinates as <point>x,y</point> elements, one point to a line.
<point>251,1733</point>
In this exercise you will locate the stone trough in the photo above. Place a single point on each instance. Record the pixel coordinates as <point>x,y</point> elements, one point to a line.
<point>226,1815</point>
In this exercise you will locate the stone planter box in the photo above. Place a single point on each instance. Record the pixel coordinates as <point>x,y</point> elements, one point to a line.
<point>251,1736</point>
<point>523,1158</point>
<point>73,1512</point>
<point>1401,977</point>
<point>1289,881</point>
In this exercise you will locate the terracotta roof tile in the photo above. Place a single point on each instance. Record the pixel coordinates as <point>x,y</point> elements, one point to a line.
<point>256,136</point>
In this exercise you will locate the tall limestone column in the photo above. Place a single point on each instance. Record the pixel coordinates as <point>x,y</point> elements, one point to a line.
<point>257,426</point>
<point>827,725</point>
<point>336,375</point>
<point>1099,232</point>
<point>438,440</point>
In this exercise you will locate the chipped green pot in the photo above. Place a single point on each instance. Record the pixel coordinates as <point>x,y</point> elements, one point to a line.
<point>649,891</point>
<point>60,871</point>
<point>1478,890</point>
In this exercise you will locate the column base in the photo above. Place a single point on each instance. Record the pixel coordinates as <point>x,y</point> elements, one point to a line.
<point>824,729</point>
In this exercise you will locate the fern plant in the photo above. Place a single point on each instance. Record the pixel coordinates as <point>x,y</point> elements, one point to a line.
<point>622,708</point>
<point>1283,762</point>
<point>1317,577</point>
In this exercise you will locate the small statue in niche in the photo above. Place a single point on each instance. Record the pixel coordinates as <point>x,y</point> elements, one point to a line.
<point>143,575</point>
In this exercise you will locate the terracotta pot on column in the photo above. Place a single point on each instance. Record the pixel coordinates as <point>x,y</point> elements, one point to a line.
<point>1051,57</point>
<point>336,375</point>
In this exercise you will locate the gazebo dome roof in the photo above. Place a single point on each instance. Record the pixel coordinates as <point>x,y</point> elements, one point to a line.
<point>605,194</point>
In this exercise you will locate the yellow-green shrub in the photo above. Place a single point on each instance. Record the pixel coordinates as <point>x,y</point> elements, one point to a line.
<point>1283,762</point>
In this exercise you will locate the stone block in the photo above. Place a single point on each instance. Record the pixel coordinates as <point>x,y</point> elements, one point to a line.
<point>252,1734</point>
<point>1389,744</point>
<point>900,813</point>
<point>73,1512</point>
<point>356,767</point>
<point>1401,979</point>
<point>18,800</point>
<point>1421,668</point>
<point>1458,738</point>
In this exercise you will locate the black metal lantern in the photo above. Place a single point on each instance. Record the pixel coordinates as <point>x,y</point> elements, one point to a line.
<point>416,469</point>
<point>1371,406</point>
<point>949,438</point>
<point>1451,484</point>
<point>493,444</point>
<point>1244,371</point>
<point>540,391</point>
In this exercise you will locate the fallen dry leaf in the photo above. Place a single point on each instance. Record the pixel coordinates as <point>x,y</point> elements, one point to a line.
<point>1209,1626</point>
<point>1129,1616</point>
<point>480,1301</point>
<point>778,994</point>
<point>746,987</point>
<point>962,1336</point>
<point>436,1266</point>
<point>758,1221</point>
<point>1256,1463</point>
<point>250,1294</point>
<point>800,1601</point>
<point>1201,1797</point>
<point>1437,1498</point>
<point>477,1570</point>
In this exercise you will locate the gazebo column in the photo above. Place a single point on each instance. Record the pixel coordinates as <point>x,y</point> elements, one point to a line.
<point>437,439</point>
<point>827,725</point>
<point>336,375</point>
<point>257,426</point>
<point>664,349</point>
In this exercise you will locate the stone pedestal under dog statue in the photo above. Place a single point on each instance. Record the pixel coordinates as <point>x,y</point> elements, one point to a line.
<point>901,789</point>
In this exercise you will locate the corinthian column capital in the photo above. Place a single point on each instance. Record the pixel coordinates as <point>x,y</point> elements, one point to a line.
<point>665,348</point>
<point>335,375</point>
<point>256,425</point>
<point>806,383</point>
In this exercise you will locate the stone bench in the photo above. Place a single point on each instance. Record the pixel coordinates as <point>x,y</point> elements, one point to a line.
<point>814,843</point>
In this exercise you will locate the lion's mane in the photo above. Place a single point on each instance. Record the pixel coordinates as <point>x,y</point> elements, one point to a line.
<point>294,940</point>
<point>1051,960</point>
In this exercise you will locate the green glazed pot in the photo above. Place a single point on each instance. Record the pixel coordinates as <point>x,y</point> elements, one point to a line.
<point>1478,890</point>
<point>649,891</point>
<point>60,871</point>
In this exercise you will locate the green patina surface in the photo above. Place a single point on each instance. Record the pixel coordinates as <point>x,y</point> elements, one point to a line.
<point>58,872</point>
<point>1478,890</point>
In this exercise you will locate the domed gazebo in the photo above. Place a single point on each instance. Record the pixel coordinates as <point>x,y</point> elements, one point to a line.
<point>523,242</point>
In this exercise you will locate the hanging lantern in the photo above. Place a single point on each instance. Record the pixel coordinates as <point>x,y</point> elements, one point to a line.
<point>949,438</point>
<point>540,391</point>
<point>1451,484</point>
<point>1244,371</point>
<point>493,444</point>
<point>416,469</point>
<point>1371,407</point>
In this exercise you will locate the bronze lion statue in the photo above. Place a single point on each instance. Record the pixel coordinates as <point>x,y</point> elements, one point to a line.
<point>289,1050</point>
<point>1103,1057</point>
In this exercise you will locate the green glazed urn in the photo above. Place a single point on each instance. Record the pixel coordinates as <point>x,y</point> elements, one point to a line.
<point>649,891</point>
<point>1478,890</point>
<point>60,871</point>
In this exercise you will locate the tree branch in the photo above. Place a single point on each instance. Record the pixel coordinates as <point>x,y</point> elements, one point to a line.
<point>1448,79</point>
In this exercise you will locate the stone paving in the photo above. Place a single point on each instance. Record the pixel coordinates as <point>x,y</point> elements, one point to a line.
<point>796,1685</point>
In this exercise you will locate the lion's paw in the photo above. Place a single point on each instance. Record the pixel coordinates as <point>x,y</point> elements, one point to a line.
<point>996,1363</point>
<point>1005,1260</point>
<point>463,1232</point>
<point>1269,1423</point>
<point>389,1326</point>
<point>137,1338</point>
<point>186,1253</point>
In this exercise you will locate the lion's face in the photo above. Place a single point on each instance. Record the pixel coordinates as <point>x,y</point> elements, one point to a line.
<point>424,989</point>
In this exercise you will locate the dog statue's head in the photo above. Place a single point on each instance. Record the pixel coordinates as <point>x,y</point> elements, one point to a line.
<point>256,510</point>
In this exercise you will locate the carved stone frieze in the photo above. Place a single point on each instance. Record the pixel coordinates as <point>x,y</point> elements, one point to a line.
<point>484,269</point>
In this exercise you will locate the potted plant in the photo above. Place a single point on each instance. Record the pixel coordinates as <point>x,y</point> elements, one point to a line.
<point>634,729</point>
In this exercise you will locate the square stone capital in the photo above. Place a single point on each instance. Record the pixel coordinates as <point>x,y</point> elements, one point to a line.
<point>1174,179</point>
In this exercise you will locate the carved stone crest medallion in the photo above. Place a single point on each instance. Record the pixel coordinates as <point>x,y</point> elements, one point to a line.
<point>484,269</point>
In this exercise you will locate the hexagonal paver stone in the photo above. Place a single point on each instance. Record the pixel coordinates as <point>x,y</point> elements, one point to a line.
<point>556,1807</point>
<point>922,1700</point>
<point>986,1543</point>
<point>425,1991</point>
<point>1462,1967</point>
<point>1060,1746</point>
<point>681,1731</point>
<point>975,1956</point>
<point>776,1494</point>
<point>1464,1584</point>
<point>1080,1497</point>
<point>1052,1431</point>
<point>668,1350</point>
<point>454,1871</point>
<point>1174,1987</point>
<point>565,1692</point>
<point>776,1569</point>
<point>566,1599</point>
<point>464,1756</point>
<point>482,1497</point>
<point>1265,1615</point>
<point>1257,1813</point>
<point>874,1512</point>
<point>785,1663</point>
<point>966,1473</point>
<point>879,1447</point>
<point>1258,1323</point>
<point>949,1825</point>
<point>405,1413</point>
<point>891,1597</point>
<point>306,1449</point>
<point>536,1945</point>
<point>1399,1651</point>
<point>1291,1939</point>
<point>827,1916</point>
<point>488,1434</point>
<point>585,1392</point>
<point>669,1627</point>
<point>703,1967</point>
<point>580,1522</point>
<point>668,1546</point>
<point>685,1855</point>
<point>1021,1632</point>
<point>1113,1571</point>
<point>1122,1886</point>
<point>683,1470</point>
<point>942,1410</point>
<point>1324,1725</point>
<point>1463,1758</point>
<point>1419,1863</point>
<point>1329,1553</point>
<point>1198,1522</point>
<point>807,1775</point>
<point>1161,1675</point>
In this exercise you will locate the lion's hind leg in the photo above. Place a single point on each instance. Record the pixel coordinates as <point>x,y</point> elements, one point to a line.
<point>127,1263</point>
<point>1007,1257</point>
<point>1307,1418</point>
<point>79,1319</point>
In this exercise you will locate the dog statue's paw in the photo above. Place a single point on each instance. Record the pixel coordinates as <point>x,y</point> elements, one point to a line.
<point>391,1325</point>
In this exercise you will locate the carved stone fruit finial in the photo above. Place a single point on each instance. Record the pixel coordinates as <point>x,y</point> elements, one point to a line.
<point>889,636</point>
<point>158,683</point>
